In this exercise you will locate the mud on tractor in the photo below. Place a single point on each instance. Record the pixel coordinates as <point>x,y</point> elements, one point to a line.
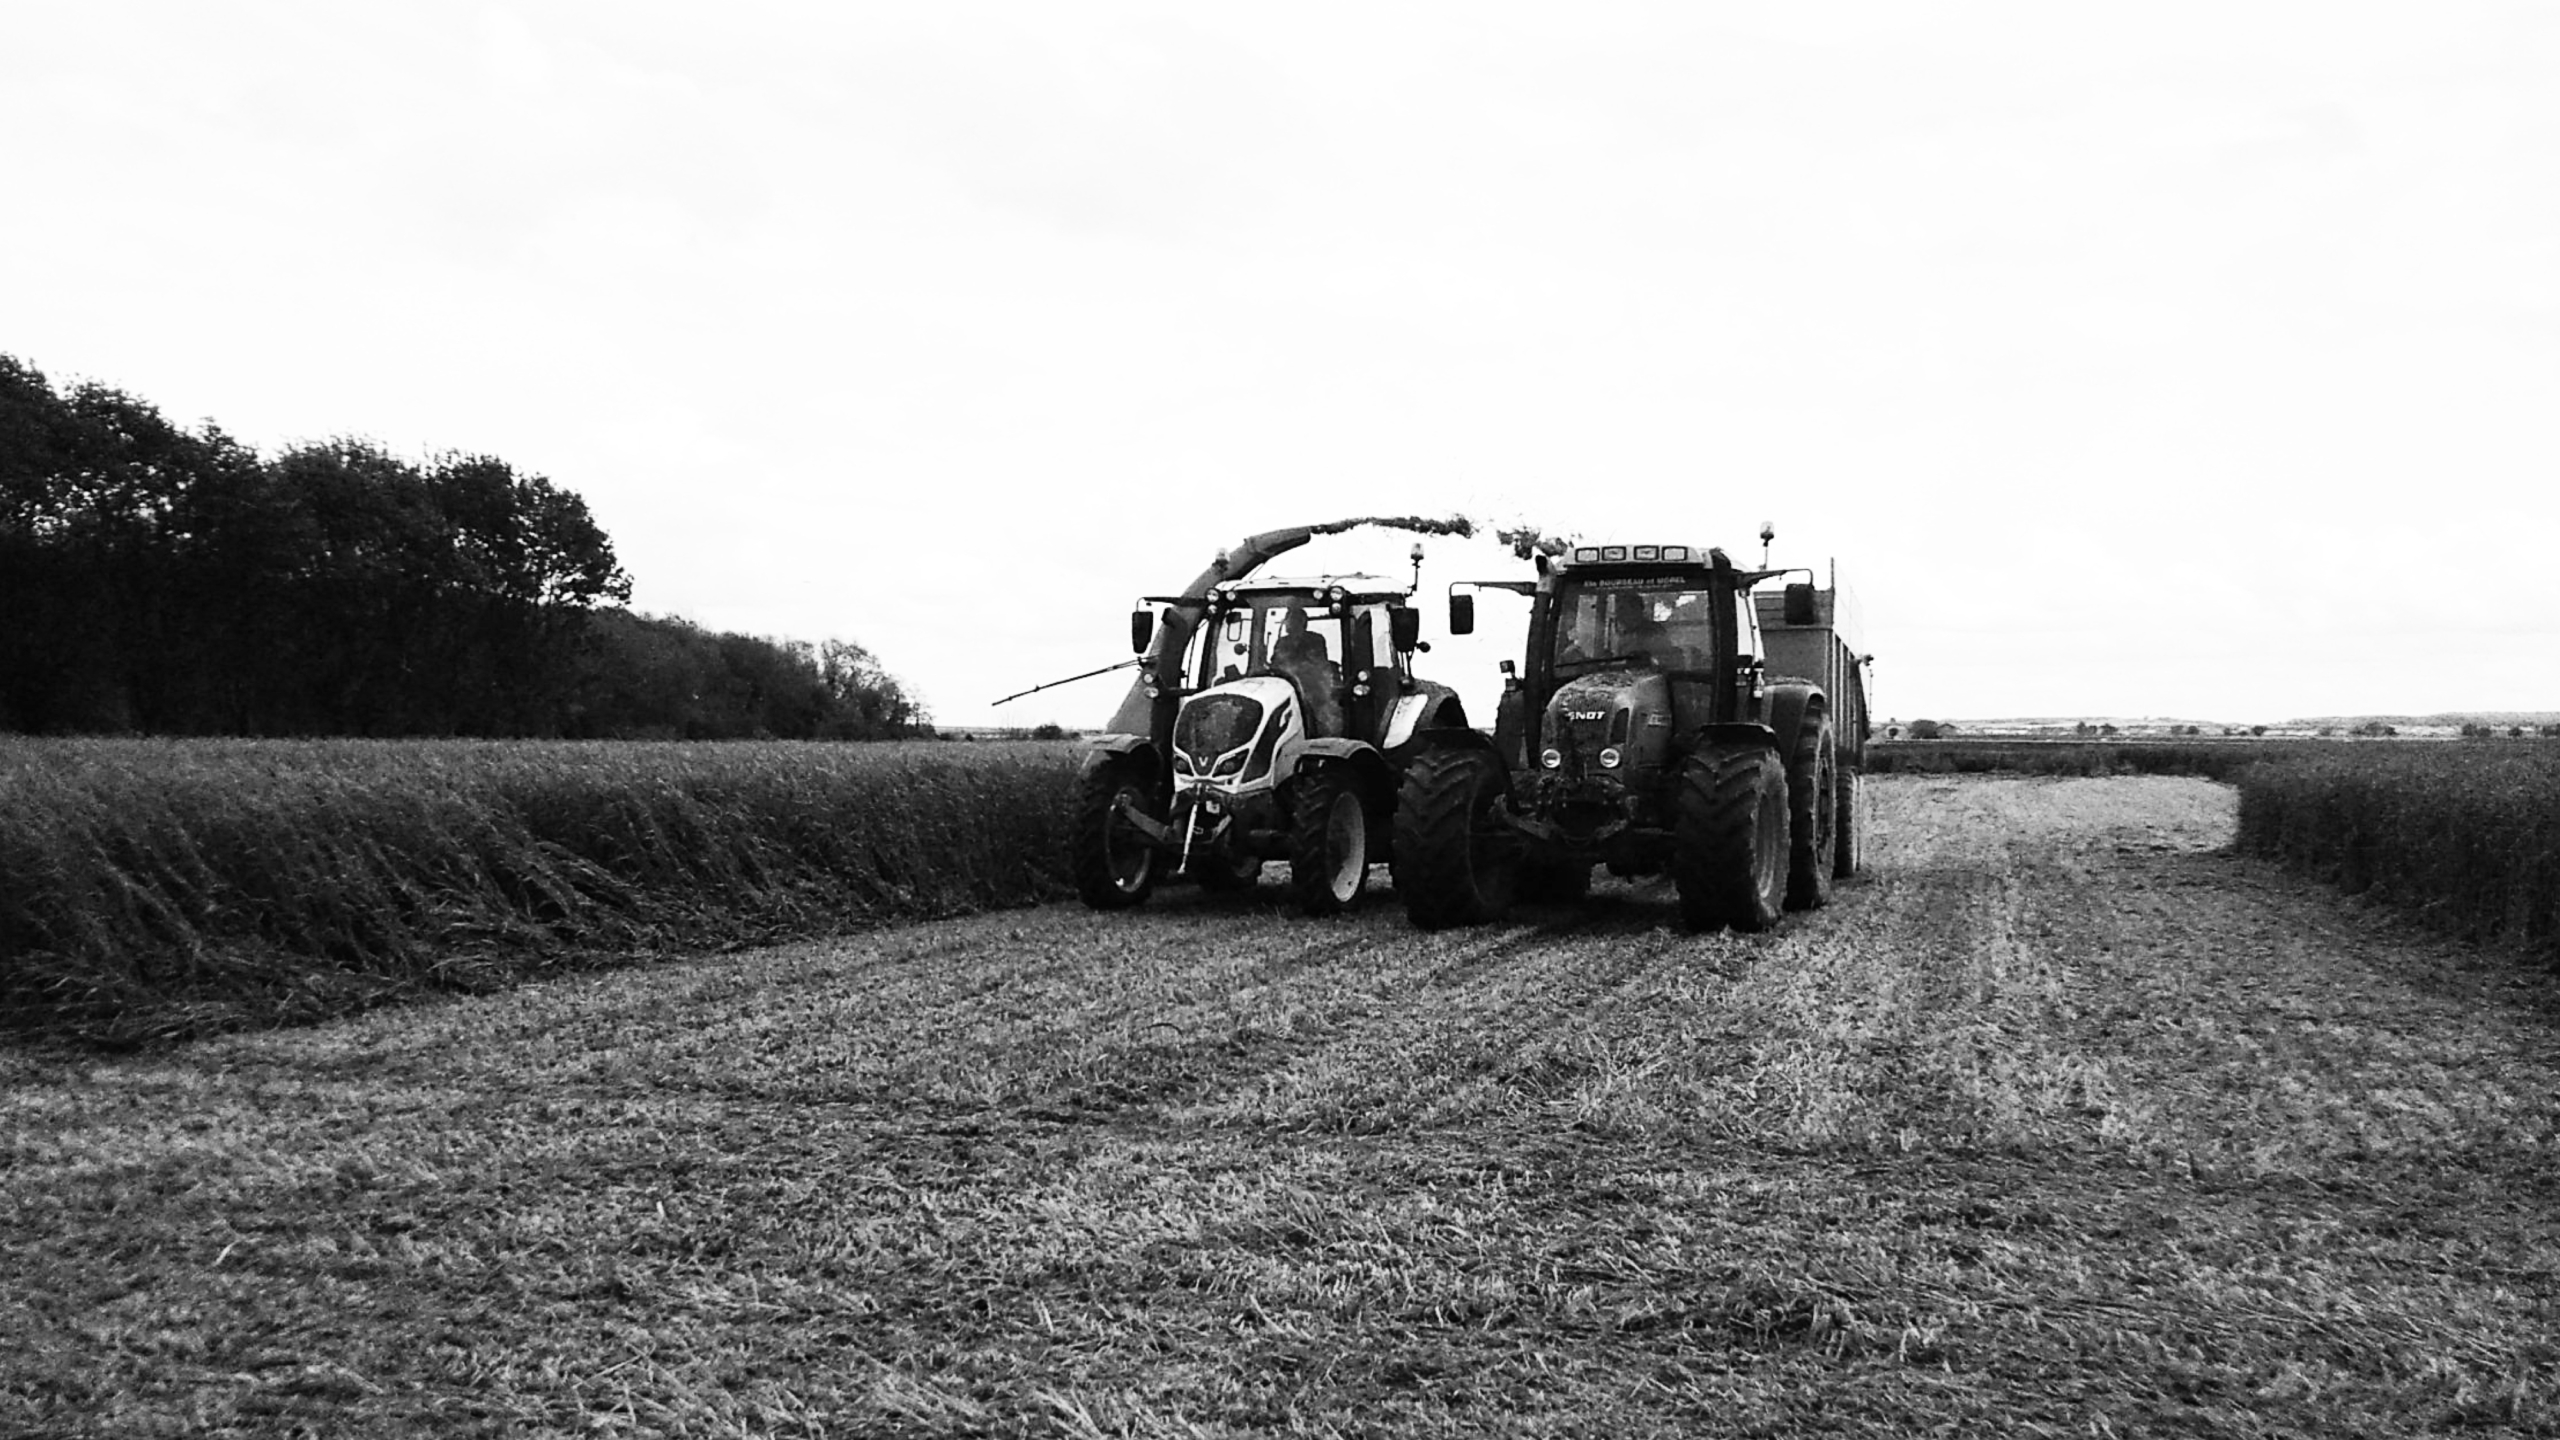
<point>1665,718</point>
<point>1271,721</point>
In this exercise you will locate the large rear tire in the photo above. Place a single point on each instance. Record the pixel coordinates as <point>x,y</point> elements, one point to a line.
<point>1849,822</point>
<point>1455,861</point>
<point>1729,851</point>
<point>1113,864</point>
<point>1813,774</point>
<point>1328,840</point>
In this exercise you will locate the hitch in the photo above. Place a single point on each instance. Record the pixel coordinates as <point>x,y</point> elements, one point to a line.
<point>1157,832</point>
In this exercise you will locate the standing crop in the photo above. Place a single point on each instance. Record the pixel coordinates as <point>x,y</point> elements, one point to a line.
<point>2464,836</point>
<point>159,886</point>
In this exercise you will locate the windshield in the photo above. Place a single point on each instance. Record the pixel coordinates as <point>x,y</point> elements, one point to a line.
<point>1657,623</point>
<point>1274,634</point>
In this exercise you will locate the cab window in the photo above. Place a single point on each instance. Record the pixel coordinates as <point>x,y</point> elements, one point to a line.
<point>1287,633</point>
<point>1668,627</point>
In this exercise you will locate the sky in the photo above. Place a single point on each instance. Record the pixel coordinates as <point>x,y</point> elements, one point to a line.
<point>2182,360</point>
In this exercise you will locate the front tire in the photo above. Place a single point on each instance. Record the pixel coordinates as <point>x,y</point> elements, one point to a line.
<point>1813,774</point>
<point>1328,841</point>
<point>1729,853</point>
<point>1455,861</point>
<point>1113,863</point>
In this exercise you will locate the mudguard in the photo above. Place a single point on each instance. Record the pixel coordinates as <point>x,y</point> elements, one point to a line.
<point>1360,755</point>
<point>1406,718</point>
<point>1426,708</point>
<point>1103,749</point>
<point>1446,737</point>
<point>1739,732</point>
<point>1788,704</point>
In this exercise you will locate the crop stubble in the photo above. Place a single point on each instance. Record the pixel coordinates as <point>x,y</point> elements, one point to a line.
<point>2066,1118</point>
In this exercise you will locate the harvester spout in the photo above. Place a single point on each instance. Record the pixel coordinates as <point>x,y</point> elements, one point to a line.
<point>1139,714</point>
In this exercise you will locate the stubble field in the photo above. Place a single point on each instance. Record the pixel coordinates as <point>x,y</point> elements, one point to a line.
<point>2066,1121</point>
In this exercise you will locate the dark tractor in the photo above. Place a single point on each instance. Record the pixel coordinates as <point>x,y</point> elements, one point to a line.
<point>1272,721</point>
<point>1662,721</point>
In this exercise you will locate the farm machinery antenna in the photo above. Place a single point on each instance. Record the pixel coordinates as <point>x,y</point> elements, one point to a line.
<point>1664,717</point>
<point>1271,720</point>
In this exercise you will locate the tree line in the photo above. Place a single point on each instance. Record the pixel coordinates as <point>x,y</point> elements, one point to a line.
<point>161,580</point>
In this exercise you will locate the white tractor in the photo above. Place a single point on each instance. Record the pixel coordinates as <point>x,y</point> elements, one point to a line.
<point>1271,722</point>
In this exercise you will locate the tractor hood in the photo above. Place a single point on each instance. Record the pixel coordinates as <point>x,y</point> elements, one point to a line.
<point>1607,723</point>
<point>1236,737</point>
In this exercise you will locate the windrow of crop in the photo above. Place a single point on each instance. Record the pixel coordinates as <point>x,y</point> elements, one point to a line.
<point>168,887</point>
<point>2463,835</point>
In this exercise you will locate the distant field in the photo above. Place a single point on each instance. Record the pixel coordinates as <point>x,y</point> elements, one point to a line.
<point>2212,757</point>
<point>158,887</point>
<point>2065,1121</point>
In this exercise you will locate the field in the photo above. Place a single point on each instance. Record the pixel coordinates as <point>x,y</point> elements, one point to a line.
<point>2068,1121</point>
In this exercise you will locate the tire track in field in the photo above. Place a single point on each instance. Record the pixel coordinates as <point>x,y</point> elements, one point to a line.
<point>1471,1029</point>
<point>2258,1028</point>
<point>1922,1003</point>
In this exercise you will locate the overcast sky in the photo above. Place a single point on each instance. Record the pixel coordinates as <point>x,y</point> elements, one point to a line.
<point>2140,359</point>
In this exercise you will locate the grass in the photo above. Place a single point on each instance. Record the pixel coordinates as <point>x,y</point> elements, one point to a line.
<point>162,888</point>
<point>2067,1121</point>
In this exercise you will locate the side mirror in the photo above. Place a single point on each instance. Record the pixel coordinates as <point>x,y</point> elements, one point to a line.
<point>1800,608</point>
<point>1462,613</point>
<point>1404,626</point>
<point>1142,628</point>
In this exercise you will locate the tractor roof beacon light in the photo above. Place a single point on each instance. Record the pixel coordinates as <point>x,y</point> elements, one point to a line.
<point>1768,532</point>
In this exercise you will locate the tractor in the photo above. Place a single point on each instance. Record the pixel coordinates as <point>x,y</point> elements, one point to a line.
<point>1271,721</point>
<point>1664,719</point>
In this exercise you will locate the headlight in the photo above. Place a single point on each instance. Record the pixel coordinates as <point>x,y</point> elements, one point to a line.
<point>1609,758</point>
<point>1232,764</point>
<point>1552,758</point>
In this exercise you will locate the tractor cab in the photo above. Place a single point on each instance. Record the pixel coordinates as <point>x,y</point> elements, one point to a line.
<point>1332,638</point>
<point>1276,661</point>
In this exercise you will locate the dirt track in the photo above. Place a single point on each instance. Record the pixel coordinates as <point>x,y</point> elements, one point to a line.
<point>2063,1119</point>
